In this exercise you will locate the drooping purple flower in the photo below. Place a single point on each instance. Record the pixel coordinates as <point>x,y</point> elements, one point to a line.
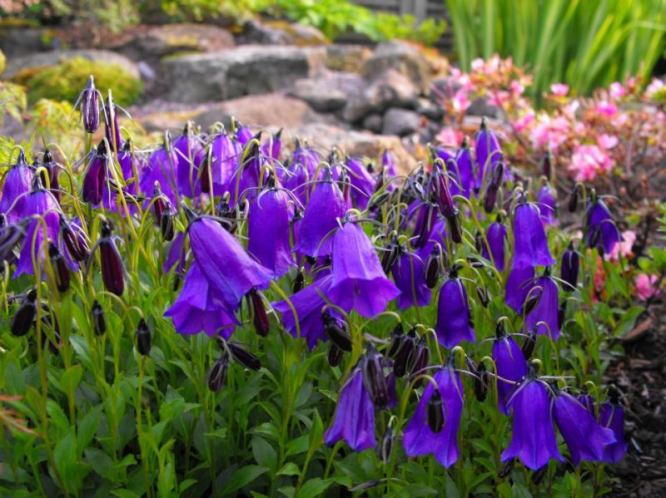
<point>570,267</point>
<point>161,170</point>
<point>511,367</point>
<point>189,153</point>
<point>547,204</point>
<point>542,318</point>
<point>530,242</point>
<point>229,270</point>
<point>454,321</point>
<point>96,175</point>
<point>111,125</point>
<point>363,185</point>
<point>326,205</point>
<point>200,308</point>
<point>359,282</point>
<point>176,254</point>
<point>89,100</point>
<point>518,285</point>
<point>111,263</point>
<point>587,401</point>
<point>271,148</point>
<point>409,274</point>
<point>463,175</point>
<point>487,152</point>
<point>18,182</point>
<point>38,203</point>
<point>243,134</point>
<point>584,436</point>
<point>419,436</point>
<point>496,236</point>
<point>600,228</point>
<point>308,303</point>
<point>533,436</point>
<point>611,415</point>
<point>389,169</point>
<point>225,158</point>
<point>354,416</point>
<point>52,172</point>
<point>268,230</point>
<point>129,167</point>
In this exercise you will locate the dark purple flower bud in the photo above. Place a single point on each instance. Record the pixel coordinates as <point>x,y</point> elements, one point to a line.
<point>506,469</point>
<point>435,412</point>
<point>358,281</point>
<point>243,356</point>
<point>611,415</point>
<point>402,347</point>
<point>74,239</point>
<point>90,106</point>
<point>482,294</point>
<point>600,228</point>
<point>52,170</point>
<point>510,365</point>
<point>547,204</point>
<point>487,152</point>
<point>335,355</point>
<point>374,378</point>
<point>481,379</point>
<point>533,438</point>
<point>573,198</point>
<point>25,315</point>
<point>397,335</point>
<point>462,171</point>
<point>96,175</point>
<point>112,128</point>
<point>570,267</point>
<point>10,237</point>
<point>98,320</point>
<point>112,265</point>
<point>60,269</point>
<point>585,437</point>
<point>418,358</point>
<point>336,331</point>
<point>455,229</point>
<point>419,436</point>
<point>530,242</point>
<point>453,314</point>
<point>546,165</point>
<point>433,269</point>
<point>493,187</point>
<point>386,446</point>
<point>543,316</point>
<point>496,236</point>
<point>143,338</point>
<point>17,185</point>
<point>354,416</point>
<point>261,324</point>
<point>410,277</point>
<point>529,344</point>
<point>218,373</point>
<point>425,220</point>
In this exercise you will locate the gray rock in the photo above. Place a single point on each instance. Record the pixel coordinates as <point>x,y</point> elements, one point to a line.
<point>20,41</point>
<point>31,62</point>
<point>391,89</point>
<point>349,58</point>
<point>481,107</point>
<point>328,92</point>
<point>400,122</point>
<point>279,33</point>
<point>402,58</point>
<point>373,123</point>
<point>430,109</point>
<point>246,70</point>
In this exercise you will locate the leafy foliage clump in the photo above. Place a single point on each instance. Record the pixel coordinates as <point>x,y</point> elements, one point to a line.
<point>65,81</point>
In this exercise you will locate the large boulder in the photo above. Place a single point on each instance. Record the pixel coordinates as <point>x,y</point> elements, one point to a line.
<point>278,32</point>
<point>246,70</point>
<point>155,42</point>
<point>24,66</point>
<point>349,58</point>
<point>400,122</point>
<point>17,41</point>
<point>400,57</point>
<point>329,91</point>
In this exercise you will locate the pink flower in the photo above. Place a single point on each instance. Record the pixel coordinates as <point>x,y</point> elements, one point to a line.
<point>646,286</point>
<point>477,64</point>
<point>461,101</point>
<point>617,91</point>
<point>517,87</point>
<point>449,137</point>
<point>559,89</point>
<point>656,87</point>
<point>624,247</point>
<point>498,98</point>
<point>606,108</point>
<point>523,122</point>
<point>607,141</point>
<point>550,132</point>
<point>587,161</point>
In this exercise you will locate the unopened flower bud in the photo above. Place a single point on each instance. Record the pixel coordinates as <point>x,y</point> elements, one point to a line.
<point>435,412</point>
<point>25,315</point>
<point>98,320</point>
<point>336,331</point>
<point>243,356</point>
<point>218,373</point>
<point>143,338</point>
<point>60,269</point>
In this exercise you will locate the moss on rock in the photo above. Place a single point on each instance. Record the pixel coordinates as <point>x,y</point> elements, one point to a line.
<point>66,80</point>
<point>2,62</point>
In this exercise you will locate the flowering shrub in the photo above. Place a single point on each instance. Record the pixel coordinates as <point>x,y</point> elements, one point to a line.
<point>222,316</point>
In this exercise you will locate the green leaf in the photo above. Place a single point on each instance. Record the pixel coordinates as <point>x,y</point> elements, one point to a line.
<point>314,487</point>
<point>264,454</point>
<point>242,477</point>
<point>289,469</point>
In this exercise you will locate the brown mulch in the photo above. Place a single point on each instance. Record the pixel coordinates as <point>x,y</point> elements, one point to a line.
<point>641,377</point>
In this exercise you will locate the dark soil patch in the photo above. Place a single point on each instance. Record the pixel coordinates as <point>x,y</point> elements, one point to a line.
<point>641,377</point>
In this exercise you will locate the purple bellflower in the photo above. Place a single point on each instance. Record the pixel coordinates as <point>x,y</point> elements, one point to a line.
<point>359,282</point>
<point>362,183</point>
<point>542,317</point>
<point>354,416</point>
<point>161,170</point>
<point>496,236</point>
<point>224,160</point>
<point>510,364</point>
<point>487,152</point>
<point>547,204</point>
<point>611,415</point>
<point>189,154</point>
<point>409,273</point>
<point>600,229</point>
<point>18,183</point>
<point>570,267</point>
<point>533,438</point>
<point>584,436</point>
<point>518,285</point>
<point>461,169</point>
<point>425,433</point>
<point>530,242</point>
<point>454,321</point>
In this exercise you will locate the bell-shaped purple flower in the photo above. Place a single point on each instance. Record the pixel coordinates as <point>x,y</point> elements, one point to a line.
<point>496,236</point>
<point>611,415</point>
<point>600,228</point>
<point>518,285</point>
<point>487,152</point>
<point>200,308</point>
<point>243,134</point>
<point>409,273</point>
<point>362,183</point>
<point>359,282</point>
<point>96,175</point>
<point>272,147</point>
<point>161,170</point>
<point>570,267</point>
<point>354,416</point>
<point>530,242</point>
<point>225,158</point>
<point>326,205</point>
<point>18,182</point>
<point>542,318</point>
<point>419,436</point>
<point>547,204</point>
<point>111,125</point>
<point>52,172</point>
<point>308,303</point>
<point>189,153</point>
<point>454,321</point>
<point>89,100</point>
<point>585,437</point>
<point>268,230</point>
<point>533,438</point>
<point>229,270</point>
<point>463,175</point>
<point>511,367</point>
